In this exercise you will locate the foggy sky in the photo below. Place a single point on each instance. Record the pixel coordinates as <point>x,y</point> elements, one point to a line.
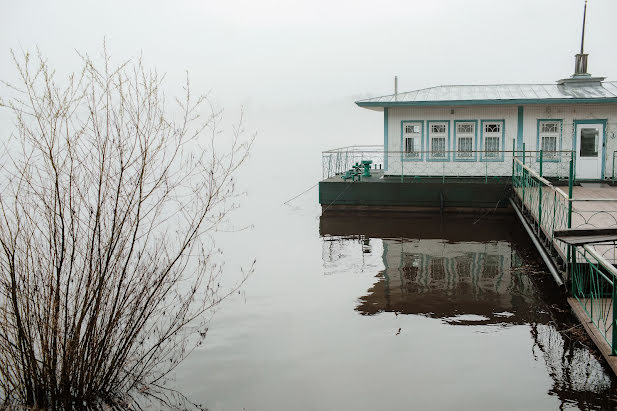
<point>320,55</point>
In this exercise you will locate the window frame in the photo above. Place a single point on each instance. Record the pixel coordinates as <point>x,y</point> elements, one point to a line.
<point>421,156</point>
<point>558,144</point>
<point>483,156</point>
<point>474,143</point>
<point>429,156</point>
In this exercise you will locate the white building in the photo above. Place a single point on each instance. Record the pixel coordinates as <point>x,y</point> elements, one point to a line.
<point>478,126</point>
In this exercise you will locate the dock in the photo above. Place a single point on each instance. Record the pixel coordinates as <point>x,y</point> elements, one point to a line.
<point>572,223</point>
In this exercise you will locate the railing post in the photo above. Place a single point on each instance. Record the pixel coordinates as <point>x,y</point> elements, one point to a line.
<point>513,155</point>
<point>554,214</point>
<point>523,177</point>
<point>614,325</point>
<point>570,188</point>
<point>614,167</point>
<point>572,271</point>
<point>540,195</point>
<point>570,185</point>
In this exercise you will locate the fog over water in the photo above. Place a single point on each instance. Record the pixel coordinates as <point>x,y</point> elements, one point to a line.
<point>356,312</point>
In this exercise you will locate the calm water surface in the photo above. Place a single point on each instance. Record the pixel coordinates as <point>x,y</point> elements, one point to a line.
<point>392,312</point>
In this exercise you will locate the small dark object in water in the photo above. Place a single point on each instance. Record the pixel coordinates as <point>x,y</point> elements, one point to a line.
<point>398,332</point>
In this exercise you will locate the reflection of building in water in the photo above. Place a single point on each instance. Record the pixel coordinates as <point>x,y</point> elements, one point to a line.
<point>450,269</point>
<point>443,279</point>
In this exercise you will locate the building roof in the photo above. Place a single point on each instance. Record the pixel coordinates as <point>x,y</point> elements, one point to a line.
<point>560,92</point>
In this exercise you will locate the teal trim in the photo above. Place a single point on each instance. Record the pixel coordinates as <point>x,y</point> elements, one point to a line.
<point>486,102</point>
<point>475,141</point>
<point>501,145</point>
<point>421,122</point>
<point>539,146</point>
<point>591,121</point>
<point>428,141</point>
<point>385,139</point>
<point>519,132</point>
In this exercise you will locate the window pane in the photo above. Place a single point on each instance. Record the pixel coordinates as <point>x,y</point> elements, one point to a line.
<point>412,128</point>
<point>491,146</point>
<point>412,147</point>
<point>464,146</point>
<point>492,127</point>
<point>549,146</point>
<point>438,146</point>
<point>549,128</point>
<point>438,128</point>
<point>589,142</point>
<point>465,128</point>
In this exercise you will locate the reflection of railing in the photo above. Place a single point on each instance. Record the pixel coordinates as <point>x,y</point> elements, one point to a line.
<point>593,286</point>
<point>444,163</point>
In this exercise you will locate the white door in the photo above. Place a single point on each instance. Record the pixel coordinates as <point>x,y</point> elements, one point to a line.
<point>589,151</point>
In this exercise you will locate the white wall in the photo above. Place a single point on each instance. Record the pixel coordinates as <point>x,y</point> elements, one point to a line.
<point>565,112</point>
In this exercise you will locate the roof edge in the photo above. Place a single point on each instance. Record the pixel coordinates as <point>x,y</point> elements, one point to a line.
<point>367,104</point>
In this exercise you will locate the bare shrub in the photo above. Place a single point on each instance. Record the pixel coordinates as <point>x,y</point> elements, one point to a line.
<point>107,206</point>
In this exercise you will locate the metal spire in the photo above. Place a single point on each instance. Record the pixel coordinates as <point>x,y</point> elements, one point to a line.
<point>583,34</point>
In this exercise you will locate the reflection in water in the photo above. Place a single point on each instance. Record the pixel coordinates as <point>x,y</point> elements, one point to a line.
<point>469,274</point>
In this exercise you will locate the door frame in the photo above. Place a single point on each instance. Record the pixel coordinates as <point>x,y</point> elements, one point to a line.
<point>604,122</point>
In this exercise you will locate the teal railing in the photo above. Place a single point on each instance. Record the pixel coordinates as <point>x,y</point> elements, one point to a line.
<point>593,286</point>
<point>443,164</point>
<point>549,206</point>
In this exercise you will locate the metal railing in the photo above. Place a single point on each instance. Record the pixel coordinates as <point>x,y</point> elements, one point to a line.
<point>443,163</point>
<point>549,206</point>
<point>593,286</point>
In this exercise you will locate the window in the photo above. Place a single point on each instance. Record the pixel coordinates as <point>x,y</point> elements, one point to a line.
<point>465,135</point>
<point>438,270</point>
<point>589,142</point>
<point>412,140</point>
<point>549,133</point>
<point>438,135</point>
<point>492,135</point>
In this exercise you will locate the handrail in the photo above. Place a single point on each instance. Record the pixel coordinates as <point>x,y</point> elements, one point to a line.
<point>541,179</point>
<point>601,260</point>
<point>594,199</point>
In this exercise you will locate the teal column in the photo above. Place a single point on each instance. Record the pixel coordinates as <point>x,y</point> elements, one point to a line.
<point>519,135</point>
<point>385,138</point>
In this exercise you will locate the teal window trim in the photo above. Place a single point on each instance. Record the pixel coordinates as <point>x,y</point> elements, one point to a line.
<point>520,127</point>
<point>421,157</point>
<point>559,143</point>
<point>385,139</point>
<point>503,137</point>
<point>429,156</point>
<point>474,148</point>
<point>604,122</point>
